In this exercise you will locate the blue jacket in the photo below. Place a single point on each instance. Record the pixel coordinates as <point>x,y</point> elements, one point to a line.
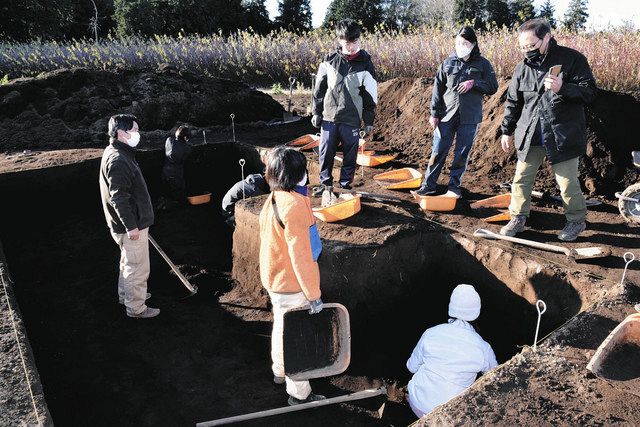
<point>446,101</point>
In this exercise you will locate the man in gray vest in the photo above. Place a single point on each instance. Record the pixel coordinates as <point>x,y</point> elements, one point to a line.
<point>129,213</point>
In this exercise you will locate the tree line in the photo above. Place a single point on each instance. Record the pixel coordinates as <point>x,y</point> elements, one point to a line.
<point>28,20</point>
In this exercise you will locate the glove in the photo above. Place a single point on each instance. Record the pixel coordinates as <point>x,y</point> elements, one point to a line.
<point>315,306</point>
<point>368,129</point>
<point>316,121</point>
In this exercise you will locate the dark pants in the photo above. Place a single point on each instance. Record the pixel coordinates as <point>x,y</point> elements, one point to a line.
<point>442,141</point>
<point>174,183</point>
<point>330,136</point>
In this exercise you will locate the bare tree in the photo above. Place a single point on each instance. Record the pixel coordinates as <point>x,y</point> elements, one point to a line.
<point>93,22</point>
<point>436,12</point>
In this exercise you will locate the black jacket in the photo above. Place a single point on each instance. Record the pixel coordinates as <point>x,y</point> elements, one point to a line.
<point>254,185</point>
<point>176,153</point>
<point>125,198</point>
<point>561,115</point>
<point>346,91</point>
<point>446,100</point>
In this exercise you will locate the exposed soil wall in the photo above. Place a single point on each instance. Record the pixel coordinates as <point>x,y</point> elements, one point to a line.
<point>402,124</point>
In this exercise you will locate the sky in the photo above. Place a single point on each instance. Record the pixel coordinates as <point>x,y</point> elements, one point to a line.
<point>602,13</point>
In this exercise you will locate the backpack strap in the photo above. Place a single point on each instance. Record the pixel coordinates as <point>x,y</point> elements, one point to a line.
<point>275,210</point>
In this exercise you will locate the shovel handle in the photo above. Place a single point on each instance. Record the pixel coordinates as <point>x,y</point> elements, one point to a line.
<point>370,195</point>
<point>545,247</point>
<point>183,279</point>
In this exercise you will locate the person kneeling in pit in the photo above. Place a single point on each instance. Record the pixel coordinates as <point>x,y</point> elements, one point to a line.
<point>289,251</point>
<point>252,186</point>
<point>449,356</point>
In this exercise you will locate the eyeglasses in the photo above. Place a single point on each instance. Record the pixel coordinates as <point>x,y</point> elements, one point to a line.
<point>531,46</point>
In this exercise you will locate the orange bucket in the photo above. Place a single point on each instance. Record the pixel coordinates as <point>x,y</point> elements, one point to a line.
<point>627,332</point>
<point>200,199</point>
<point>346,208</point>
<point>502,216</point>
<point>435,203</point>
<point>305,142</point>
<point>399,179</point>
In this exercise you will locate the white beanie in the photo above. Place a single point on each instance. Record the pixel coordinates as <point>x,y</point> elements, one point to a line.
<point>464,303</point>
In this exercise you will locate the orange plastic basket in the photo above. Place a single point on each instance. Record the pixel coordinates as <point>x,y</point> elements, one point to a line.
<point>502,216</point>
<point>348,206</point>
<point>370,158</point>
<point>435,203</point>
<point>498,202</point>
<point>398,179</point>
<point>305,142</point>
<point>200,199</point>
<point>627,332</point>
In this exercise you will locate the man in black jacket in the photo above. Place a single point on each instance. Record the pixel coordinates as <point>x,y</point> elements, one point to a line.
<point>128,211</point>
<point>544,116</point>
<point>177,150</point>
<point>344,97</point>
<point>252,186</point>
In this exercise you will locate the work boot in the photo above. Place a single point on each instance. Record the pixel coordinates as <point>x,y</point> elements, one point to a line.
<point>121,301</point>
<point>515,226</point>
<point>571,230</point>
<point>328,197</point>
<point>311,398</point>
<point>278,380</point>
<point>146,313</point>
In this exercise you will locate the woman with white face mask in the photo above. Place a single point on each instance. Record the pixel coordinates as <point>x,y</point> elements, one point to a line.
<point>456,109</point>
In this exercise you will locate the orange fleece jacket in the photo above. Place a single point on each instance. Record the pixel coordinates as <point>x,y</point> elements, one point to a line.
<point>286,263</point>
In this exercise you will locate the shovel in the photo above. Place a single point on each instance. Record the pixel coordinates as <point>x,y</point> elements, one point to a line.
<point>576,253</point>
<point>191,288</point>
<point>287,116</point>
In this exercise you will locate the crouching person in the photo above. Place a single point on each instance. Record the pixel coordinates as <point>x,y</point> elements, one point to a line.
<point>289,250</point>
<point>448,357</point>
<point>252,186</point>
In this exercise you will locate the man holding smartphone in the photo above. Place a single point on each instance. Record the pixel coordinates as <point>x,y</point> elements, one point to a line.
<point>544,117</point>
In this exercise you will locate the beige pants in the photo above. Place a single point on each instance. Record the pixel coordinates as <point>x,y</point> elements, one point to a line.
<point>281,304</point>
<point>575,208</point>
<point>134,270</point>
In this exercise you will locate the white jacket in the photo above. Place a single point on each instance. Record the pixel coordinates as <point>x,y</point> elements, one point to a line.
<point>445,362</point>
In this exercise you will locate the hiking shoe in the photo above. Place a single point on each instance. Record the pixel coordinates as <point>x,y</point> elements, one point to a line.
<point>346,186</point>
<point>424,191</point>
<point>278,380</point>
<point>121,301</point>
<point>571,230</point>
<point>146,313</point>
<point>311,398</point>
<point>328,197</point>
<point>515,226</point>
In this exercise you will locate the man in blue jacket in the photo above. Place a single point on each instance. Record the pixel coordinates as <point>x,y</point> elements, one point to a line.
<point>456,110</point>
<point>344,97</point>
<point>544,116</point>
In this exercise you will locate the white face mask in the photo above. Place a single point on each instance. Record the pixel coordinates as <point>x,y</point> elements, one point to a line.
<point>134,140</point>
<point>463,51</point>
<point>304,180</point>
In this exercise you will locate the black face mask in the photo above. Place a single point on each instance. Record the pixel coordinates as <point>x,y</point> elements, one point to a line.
<point>533,55</point>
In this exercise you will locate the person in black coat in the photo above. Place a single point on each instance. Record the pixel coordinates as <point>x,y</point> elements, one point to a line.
<point>177,150</point>
<point>252,186</point>
<point>544,117</point>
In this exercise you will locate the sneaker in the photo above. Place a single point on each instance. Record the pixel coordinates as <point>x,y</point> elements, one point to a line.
<point>346,186</point>
<point>515,226</point>
<point>121,301</point>
<point>278,380</point>
<point>146,313</point>
<point>424,191</point>
<point>311,398</point>
<point>452,193</point>
<point>328,197</point>
<point>571,230</point>
<point>317,191</point>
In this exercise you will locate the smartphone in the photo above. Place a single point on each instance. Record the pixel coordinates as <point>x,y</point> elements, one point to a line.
<point>555,70</point>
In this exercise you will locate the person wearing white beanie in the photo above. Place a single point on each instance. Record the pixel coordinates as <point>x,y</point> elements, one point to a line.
<point>448,357</point>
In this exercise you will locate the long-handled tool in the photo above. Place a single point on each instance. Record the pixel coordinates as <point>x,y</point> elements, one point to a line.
<point>192,288</point>
<point>288,115</point>
<point>365,394</point>
<point>375,196</point>
<point>575,253</point>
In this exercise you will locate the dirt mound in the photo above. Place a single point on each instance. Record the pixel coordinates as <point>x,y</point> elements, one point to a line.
<point>402,125</point>
<point>71,108</point>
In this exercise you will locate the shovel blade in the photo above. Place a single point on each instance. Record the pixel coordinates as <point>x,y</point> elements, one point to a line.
<point>591,252</point>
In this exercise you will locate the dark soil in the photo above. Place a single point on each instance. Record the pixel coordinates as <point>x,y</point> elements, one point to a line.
<point>623,363</point>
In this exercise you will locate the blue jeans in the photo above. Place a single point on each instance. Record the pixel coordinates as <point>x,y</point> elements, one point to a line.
<point>442,141</point>
<point>330,135</point>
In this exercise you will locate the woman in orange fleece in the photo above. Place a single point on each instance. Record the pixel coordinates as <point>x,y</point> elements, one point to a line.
<point>289,251</point>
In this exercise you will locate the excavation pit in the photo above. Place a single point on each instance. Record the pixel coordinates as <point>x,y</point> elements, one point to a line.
<point>208,356</point>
